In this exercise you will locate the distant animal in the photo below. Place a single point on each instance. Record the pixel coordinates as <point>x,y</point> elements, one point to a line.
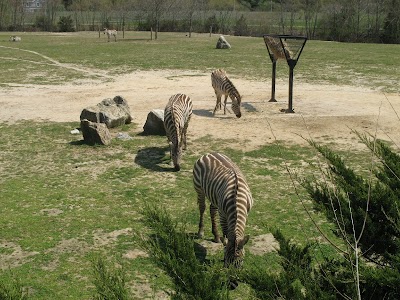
<point>223,86</point>
<point>15,38</point>
<point>110,33</point>
<point>218,178</point>
<point>177,114</point>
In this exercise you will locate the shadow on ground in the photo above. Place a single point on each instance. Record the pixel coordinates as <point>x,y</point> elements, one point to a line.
<point>152,157</point>
<point>202,113</point>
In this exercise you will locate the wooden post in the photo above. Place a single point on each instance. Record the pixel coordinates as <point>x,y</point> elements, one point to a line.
<point>99,30</point>
<point>210,30</point>
<point>151,33</point>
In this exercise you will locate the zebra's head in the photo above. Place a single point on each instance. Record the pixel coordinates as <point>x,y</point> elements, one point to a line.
<point>236,101</point>
<point>234,251</point>
<point>176,155</point>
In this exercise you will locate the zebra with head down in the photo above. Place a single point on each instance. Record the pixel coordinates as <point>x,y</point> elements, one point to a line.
<point>110,33</point>
<point>177,115</point>
<point>223,86</point>
<point>220,180</point>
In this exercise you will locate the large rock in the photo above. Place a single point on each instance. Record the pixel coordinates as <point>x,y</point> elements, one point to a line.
<point>95,133</point>
<point>222,43</point>
<point>112,112</point>
<point>155,122</point>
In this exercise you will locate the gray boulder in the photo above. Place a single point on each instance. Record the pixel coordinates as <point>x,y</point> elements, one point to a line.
<point>112,112</point>
<point>222,43</point>
<point>155,123</point>
<point>95,133</point>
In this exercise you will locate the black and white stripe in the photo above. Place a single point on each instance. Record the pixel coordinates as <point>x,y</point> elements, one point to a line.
<point>177,115</point>
<point>216,177</point>
<point>110,33</point>
<point>223,86</point>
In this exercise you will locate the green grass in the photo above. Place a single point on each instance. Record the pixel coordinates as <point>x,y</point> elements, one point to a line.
<point>63,202</point>
<point>367,65</point>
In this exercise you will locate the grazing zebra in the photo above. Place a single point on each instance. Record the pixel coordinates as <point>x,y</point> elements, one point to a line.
<point>15,38</point>
<point>216,177</point>
<point>110,33</point>
<point>177,115</point>
<point>223,86</point>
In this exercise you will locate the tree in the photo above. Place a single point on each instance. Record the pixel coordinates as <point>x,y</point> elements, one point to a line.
<point>367,216</point>
<point>155,10</point>
<point>311,10</point>
<point>391,27</point>
<point>252,4</point>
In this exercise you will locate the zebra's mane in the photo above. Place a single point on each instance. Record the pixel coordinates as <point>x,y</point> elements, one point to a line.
<point>232,92</point>
<point>174,121</point>
<point>234,173</point>
<point>236,196</point>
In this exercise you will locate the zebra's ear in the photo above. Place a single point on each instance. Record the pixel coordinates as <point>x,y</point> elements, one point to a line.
<point>243,241</point>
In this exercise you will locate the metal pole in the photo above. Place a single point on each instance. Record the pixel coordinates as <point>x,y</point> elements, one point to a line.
<point>273,80</point>
<point>292,64</point>
<point>290,109</point>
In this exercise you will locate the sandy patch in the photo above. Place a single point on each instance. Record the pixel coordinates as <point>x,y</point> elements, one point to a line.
<point>321,111</point>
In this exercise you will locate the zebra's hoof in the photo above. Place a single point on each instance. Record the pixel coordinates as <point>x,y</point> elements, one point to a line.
<point>177,168</point>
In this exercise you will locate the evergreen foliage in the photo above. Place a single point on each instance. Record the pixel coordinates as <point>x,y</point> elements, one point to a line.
<point>347,202</point>
<point>174,251</point>
<point>349,199</point>
<point>241,27</point>
<point>109,281</point>
<point>298,279</point>
<point>12,289</point>
<point>65,24</point>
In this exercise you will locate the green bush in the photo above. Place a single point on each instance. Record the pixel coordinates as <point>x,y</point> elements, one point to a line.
<point>109,281</point>
<point>241,28</point>
<point>297,280</point>
<point>366,215</point>
<point>174,252</point>
<point>65,24</point>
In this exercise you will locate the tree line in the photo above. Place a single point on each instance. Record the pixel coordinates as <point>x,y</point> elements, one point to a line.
<point>339,20</point>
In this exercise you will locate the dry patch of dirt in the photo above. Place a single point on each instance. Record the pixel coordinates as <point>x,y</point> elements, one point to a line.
<point>321,111</point>
<point>13,255</point>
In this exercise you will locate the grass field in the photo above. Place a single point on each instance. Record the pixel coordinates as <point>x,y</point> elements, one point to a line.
<point>370,65</point>
<point>62,203</point>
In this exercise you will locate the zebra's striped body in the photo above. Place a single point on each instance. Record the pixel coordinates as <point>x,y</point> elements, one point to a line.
<point>177,115</point>
<point>223,86</point>
<point>216,177</point>
<point>110,33</point>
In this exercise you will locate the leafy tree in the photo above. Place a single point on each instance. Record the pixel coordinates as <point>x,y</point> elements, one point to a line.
<point>252,4</point>
<point>241,27</point>
<point>367,217</point>
<point>297,280</point>
<point>391,28</point>
<point>65,24</point>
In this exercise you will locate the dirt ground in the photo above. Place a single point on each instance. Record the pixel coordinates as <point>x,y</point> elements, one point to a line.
<point>321,111</point>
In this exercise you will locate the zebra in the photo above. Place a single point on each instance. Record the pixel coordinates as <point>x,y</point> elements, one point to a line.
<point>177,115</point>
<point>216,177</point>
<point>110,33</point>
<point>223,86</point>
<point>15,38</point>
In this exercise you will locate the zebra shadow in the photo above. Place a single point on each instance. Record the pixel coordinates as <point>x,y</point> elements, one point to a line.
<point>151,158</point>
<point>218,114</point>
<point>249,107</point>
<point>203,113</point>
